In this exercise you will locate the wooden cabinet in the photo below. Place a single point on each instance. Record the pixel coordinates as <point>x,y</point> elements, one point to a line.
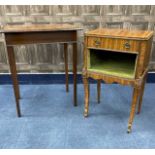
<point>117,55</point>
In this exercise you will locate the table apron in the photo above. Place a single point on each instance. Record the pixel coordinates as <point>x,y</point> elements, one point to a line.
<point>20,38</point>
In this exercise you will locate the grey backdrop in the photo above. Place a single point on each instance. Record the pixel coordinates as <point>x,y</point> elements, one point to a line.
<point>50,58</point>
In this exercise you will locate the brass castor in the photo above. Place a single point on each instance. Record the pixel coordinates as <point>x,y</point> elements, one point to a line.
<point>129,129</point>
<point>85,114</point>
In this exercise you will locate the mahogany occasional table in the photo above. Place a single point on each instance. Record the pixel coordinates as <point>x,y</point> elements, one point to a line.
<point>117,55</point>
<point>40,34</point>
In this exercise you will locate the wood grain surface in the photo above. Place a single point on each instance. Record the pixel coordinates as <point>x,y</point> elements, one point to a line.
<point>38,27</point>
<point>121,33</point>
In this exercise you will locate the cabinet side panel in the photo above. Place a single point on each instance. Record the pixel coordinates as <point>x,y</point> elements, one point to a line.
<point>148,52</point>
<point>85,53</point>
<point>141,59</point>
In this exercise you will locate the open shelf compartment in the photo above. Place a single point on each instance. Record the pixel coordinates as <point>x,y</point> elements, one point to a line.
<point>113,63</point>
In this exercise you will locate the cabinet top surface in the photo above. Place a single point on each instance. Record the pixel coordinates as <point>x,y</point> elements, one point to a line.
<point>39,27</point>
<point>120,33</point>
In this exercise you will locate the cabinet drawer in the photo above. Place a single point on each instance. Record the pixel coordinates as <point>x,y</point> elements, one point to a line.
<point>113,44</point>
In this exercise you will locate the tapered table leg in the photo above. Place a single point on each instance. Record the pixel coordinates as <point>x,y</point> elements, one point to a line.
<point>11,58</point>
<point>98,90</point>
<point>66,65</point>
<point>86,98</point>
<point>75,72</point>
<point>133,108</point>
<point>141,95</point>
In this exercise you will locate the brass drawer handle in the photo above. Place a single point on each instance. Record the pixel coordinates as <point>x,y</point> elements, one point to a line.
<point>127,45</point>
<point>97,42</point>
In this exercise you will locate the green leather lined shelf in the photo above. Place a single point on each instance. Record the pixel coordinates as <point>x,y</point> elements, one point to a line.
<point>112,63</point>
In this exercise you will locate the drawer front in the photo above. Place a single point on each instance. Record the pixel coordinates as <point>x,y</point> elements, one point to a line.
<point>113,44</point>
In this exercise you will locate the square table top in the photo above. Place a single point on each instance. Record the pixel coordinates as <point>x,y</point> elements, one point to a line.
<point>39,27</point>
<point>120,33</point>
